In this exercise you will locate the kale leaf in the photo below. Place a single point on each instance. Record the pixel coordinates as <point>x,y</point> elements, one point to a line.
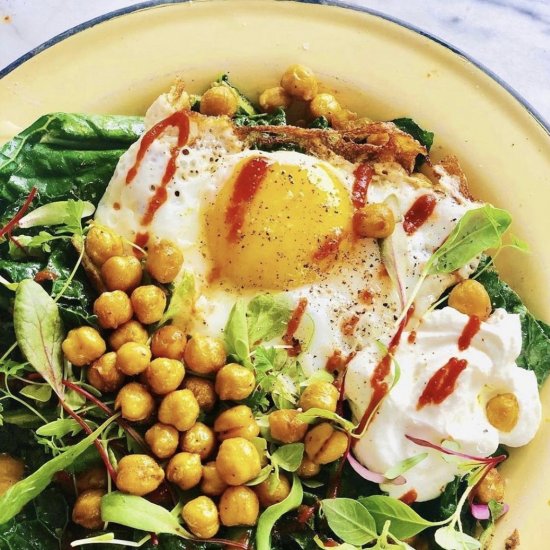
<point>276,118</point>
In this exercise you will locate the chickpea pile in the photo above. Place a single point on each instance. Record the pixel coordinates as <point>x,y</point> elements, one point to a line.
<point>164,382</point>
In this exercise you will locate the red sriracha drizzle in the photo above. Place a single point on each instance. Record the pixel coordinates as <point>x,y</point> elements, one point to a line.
<point>292,327</point>
<point>418,213</point>
<point>468,333</point>
<point>247,184</point>
<point>363,176</point>
<point>442,383</point>
<point>180,121</point>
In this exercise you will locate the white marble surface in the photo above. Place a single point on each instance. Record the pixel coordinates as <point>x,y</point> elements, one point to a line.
<point>510,37</point>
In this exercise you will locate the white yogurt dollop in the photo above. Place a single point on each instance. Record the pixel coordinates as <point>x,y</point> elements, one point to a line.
<point>491,370</point>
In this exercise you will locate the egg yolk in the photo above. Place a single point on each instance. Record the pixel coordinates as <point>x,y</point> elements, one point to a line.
<point>277,226</point>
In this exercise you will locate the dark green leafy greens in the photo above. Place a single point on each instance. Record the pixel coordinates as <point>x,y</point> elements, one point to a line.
<point>408,125</point>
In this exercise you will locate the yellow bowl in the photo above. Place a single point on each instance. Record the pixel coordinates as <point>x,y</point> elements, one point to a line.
<point>119,63</point>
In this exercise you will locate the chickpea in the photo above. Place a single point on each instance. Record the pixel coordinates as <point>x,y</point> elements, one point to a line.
<point>179,409</point>
<point>93,478</point>
<point>285,426</point>
<point>238,461</point>
<point>138,475</point>
<point>471,298</point>
<point>205,355</point>
<point>83,345</point>
<point>185,470</point>
<point>164,375</point>
<point>102,243</point>
<point>308,468</point>
<point>168,341</point>
<point>199,439</point>
<point>374,220</point>
<point>11,471</point>
<point>274,98</point>
<point>299,81</point>
<point>212,484</point>
<point>113,309</point>
<point>324,444</point>
<point>219,100</point>
<point>162,439</point>
<point>503,411</point>
<point>121,273</point>
<point>320,395</point>
<point>267,495</point>
<point>325,105</point>
<point>103,374</point>
<point>203,390</point>
<point>87,509</point>
<point>135,402</point>
<point>342,117</point>
<point>235,382</point>
<point>132,331</point>
<point>149,302</point>
<point>239,506</point>
<point>236,422</point>
<point>491,487</point>
<point>164,261</point>
<point>132,358</point>
<point>201,517</point>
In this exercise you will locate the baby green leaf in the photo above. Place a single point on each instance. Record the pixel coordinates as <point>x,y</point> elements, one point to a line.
<point>236,333</point>
<point>405,465</point>
<point>59,428</point>
<point>18,495</point>
<point>314,414</point>
<point>349,520</point>
<point>268,316</point>
<point>262,476</point>
<point>39,331</point>
<point>38,392</point>
<point>271,514</point>
<point>138,513</point>
<point>8,285</point>
<point>288,457</point>
<point>57,213</point>
<point>343,546</point>
<point>181,303</point>
<point>405,522</point>
<point>450,539</point>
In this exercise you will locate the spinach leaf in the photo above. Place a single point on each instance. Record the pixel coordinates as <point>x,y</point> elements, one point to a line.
<point>39,332</point>
<point>408,125</point>
<point>244,105</point>
<point>267,317</point>
<point>276,118</point>
<point>535,351</point>
<point>320,122</point>
<point>349,520</point>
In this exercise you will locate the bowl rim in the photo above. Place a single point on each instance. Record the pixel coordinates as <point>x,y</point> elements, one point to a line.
<point>533,112</point>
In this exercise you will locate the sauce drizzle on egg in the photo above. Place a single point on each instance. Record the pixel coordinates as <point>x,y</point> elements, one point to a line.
<point>442,383</point>
<point>292,327</point>
<point>363,176</point>
<point>468,333</point>
<point>418,213</point>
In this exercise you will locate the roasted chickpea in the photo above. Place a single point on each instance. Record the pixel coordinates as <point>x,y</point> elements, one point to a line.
<point>375,221</point>
<point>212,484</point>
<point>299,81</point>
<point>491,487</point>
<point>324,105</point>
<point>113,309</point>
<point>219,100</point>
<point>135,402</point>
<point>162,439</point>
<point>239,506</point>
<point>87,509</point>
<point>203,390</point>
<point>132,331</point>
<point>185,470</point>
<point>238,461</point>
<point>271,491</point>
<point>199,439</point>
<point>201,517</point>
<point>149,302</point>
<point>164,261</point>
<point>103,374</point>
<point>274,98</point>
<point>236,422</point>
<point>320,395</point>
<point>121,273</point>
<point>205,355</point>
<point>503,411</point>
<point>93,478</point>
<point>471,298</point>
<point>102,243</point>
<point>341,118</point>
<point>324,444</point>
<point>138,474</point>
<point>308,468</point>
<point>179,409</point>
<point>11,471</point>
<point>235,382</point>
<point>168,341</point>
<point>285,426</point>
<point>133,358</point>
<point>164,375</point>
<point>83,345</point>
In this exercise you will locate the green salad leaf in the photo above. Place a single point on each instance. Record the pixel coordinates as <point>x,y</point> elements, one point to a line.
<point>57,213</point>
<point>288,457</point>
<point>236,333</point>
<point>349,520</point>
<point>408,125</point>
<point>181,302</point>
<point>244,105</point>
<point>276,118</point>
<point>449,538</point>
<point>267,316</point>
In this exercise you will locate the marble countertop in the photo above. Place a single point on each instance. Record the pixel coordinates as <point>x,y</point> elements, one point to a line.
<point>510,37</point>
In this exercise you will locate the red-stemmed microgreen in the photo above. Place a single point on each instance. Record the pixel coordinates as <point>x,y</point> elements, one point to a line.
<point>375,477</point>
<point>12,224</point>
